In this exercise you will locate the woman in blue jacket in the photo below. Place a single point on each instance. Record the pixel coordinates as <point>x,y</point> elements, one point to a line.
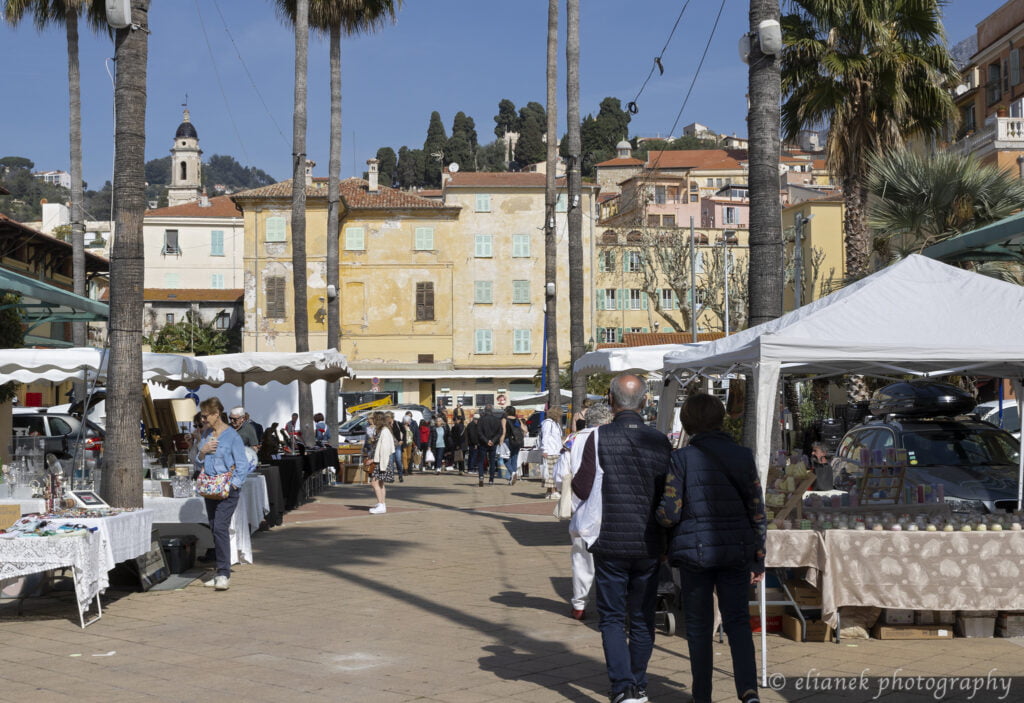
<point>715,509</point>
<point>222,452</point>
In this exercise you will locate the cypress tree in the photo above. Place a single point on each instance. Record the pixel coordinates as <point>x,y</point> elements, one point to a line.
<point>434,145</point>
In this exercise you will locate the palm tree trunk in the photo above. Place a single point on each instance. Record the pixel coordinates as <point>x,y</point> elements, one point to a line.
<point>78,329</point>
<point>333,225</point>
<point>855,196</point>
<point>574,182</point>
<point>764,273</point>
<point>122,478</point>
<point>550,230</point>
<point>301,315</point>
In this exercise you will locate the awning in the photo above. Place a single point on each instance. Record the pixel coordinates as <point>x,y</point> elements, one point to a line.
<point>426,374</point>
<point>43,303</point>
<point>999,241</point>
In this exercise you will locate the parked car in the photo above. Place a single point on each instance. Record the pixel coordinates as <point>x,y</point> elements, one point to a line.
<point>989,412</point>
<point>354,430</point>
<point>974,462</point>
<point>60,431</point>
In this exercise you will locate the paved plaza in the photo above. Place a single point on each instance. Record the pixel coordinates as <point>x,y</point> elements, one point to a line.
<point>457,594</point>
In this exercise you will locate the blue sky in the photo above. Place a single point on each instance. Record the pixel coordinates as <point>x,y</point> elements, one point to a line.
<point>444,55</point>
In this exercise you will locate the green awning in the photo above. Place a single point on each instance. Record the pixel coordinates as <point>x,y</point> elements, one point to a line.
<point>42,303</point>
<point>999,241</point>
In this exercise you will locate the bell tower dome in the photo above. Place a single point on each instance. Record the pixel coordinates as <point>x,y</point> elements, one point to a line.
<point>186,164</point>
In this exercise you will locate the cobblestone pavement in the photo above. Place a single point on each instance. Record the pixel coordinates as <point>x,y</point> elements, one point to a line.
<point>457,594</point>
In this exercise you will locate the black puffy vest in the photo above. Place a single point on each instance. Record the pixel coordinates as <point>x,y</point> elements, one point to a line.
<point>715,530</point>
<point>635,461</point>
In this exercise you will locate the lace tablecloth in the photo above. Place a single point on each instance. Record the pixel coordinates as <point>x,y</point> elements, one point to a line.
<point>21,556</point>
<point>253,504</point>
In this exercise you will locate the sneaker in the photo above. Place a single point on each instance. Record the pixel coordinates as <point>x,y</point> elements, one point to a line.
<point>480,483</point>
<point>378,509</point>
<point>641,694</point>
<point>221,583</point>
<point>212,583</point>
<point>515,477</point>
<point>750,697</point>
<point>554,496</point>
<point>627,696</point>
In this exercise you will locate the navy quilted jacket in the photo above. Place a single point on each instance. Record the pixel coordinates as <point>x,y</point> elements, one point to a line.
<point>635,459</point>
<point>717,521</point>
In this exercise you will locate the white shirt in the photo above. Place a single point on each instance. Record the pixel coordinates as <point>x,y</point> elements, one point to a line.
<point>550,438</point>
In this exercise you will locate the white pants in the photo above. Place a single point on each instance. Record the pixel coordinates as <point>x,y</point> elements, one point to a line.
<point>582,573</point>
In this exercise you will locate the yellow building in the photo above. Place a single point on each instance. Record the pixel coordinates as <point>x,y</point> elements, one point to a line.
<point>819,224</point>
<point>438,298</point>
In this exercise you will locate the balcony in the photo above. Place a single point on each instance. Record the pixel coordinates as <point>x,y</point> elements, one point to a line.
<point>997,134</point>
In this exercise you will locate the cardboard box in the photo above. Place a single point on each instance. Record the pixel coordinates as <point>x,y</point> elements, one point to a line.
<point>911,632</point>
<point>893,616</point>
<point>9,514</point>
<point>804,594</point>
<point>774,623</point>
<point>817,631</point>
<point>975,627</point>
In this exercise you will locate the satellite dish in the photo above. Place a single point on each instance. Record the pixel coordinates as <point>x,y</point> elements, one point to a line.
<point>453,167</point>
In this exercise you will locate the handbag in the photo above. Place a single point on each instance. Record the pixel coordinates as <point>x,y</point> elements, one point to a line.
<point>215,487</point>
<point>563,508</point>
<point>428,458</point>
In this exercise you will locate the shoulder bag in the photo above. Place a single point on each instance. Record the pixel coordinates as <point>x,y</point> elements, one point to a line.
<point>215,487</point>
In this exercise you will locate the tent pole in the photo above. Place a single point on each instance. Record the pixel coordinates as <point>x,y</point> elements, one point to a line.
<point>1018,392</point>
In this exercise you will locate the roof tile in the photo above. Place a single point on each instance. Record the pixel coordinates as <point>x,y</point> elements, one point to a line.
<point>354,191</point>
<point>221,206</point>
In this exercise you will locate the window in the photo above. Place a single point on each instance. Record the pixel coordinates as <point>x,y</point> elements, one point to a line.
<point>606,261</point>
<point>482,400</point>
<point>355,239</point>
<point>484,343</point>
<point>484,246</point>
<point>562,203</point>
<point>521,341</point>
<point>521,246</point>
<point>520,291</point>
<point>217,242</point>
<point>609,335</point>
<point>171,280</point>
<point>483,202</point>
<point>637,299</point>
<point>992,88</point>
<point>171,242</point>
<point>668,220</point>
<point>483,292</point>
<point>698,261</point>
<point>709,182</point>
<point>694,198</point>
<point>424,240</point>
<point>275,292</point>
<point>732,216</point>
<point>653,220</point>
<point>637,330</point>
<point>58,427</point>
<point>169,318</point>
<point>719,182</point>
<point>1014,66</point>
<point>660,196</point>
<point>668,299</point>
<point>631,262</point>
<point>672,192</point>
<point>217,281</point>
<point>183,171</point>
<point>274,227</point>
<point>609,299</point>
<point>425,300</point>
<point>223,321</point>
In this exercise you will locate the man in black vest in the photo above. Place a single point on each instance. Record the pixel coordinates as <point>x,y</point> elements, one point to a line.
<point>634,459</point>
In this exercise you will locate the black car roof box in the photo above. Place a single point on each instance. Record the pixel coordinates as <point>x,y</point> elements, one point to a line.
<point>921,398</point>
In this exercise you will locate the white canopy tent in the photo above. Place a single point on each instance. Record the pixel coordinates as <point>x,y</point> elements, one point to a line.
<point>264,367</point>
<point>90,364</point>
<point>917,317</point>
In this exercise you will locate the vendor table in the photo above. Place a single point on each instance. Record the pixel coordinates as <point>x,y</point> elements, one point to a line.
<point>83,554</point>
<point>906,570</point>
<point>290,468</point>
<point>253,504</point>
<point>275,496</point>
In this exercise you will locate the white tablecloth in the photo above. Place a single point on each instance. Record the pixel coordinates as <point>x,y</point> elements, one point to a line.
<point>21,556</point>
<point>253,504</point>
<point>124,536</point>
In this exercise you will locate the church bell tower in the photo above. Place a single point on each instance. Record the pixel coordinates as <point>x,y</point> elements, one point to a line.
<point>186,165</point>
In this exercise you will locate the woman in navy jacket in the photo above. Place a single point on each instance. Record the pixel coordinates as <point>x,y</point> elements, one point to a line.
<point>715,508</point>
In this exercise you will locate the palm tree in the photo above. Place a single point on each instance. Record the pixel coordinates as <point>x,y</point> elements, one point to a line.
<point>66,13</point>
<point>875,72</point>
<point>550,228</point>
<point>575,204</point>
<point>919,200</point>
<point>121,479</point>
<point>765,262</point>
<point>335,17</point>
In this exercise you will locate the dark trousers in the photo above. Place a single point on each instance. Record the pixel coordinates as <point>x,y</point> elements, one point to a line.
<point>219,513</point>
<point>733,587</point>
<point>627,590</point>
<point>491,453</point>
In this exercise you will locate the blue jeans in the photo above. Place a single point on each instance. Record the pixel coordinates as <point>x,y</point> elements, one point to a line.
<point>219,513</point>
<point>733,587</point>
<point>398,461</point>
<point>512,463</point>
<point>626,589</point>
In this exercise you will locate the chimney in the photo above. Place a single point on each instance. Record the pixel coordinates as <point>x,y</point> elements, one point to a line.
<point>371,174</point>
<point>204,200</point>
<point>309,172</point>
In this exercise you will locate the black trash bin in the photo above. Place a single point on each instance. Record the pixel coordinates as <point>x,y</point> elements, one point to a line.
<point>180,551</point>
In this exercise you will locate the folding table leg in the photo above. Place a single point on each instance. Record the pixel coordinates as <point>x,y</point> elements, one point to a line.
<point>81,613</point>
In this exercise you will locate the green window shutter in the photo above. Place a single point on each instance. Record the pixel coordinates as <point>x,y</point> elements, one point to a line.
<point>600,299</point>
<point>618,334</point>
<point>625,262</point>
<point>643,300</point>
<point>217,242</point>
<point>623,299</point>
<point>645,329</point>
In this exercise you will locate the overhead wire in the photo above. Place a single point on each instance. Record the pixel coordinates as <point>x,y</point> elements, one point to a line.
<point>631,106</point>
<point>220,84</point>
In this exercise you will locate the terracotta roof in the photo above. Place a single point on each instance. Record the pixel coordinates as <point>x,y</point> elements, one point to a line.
<point>504,179</point>
<point>193,295</point>
<point>605,197</point>
<point>617,161</point>
<point>221,206</point>
<point>696,158</point>
<point>354,192</point>
<point>34,236</point>
<point>643,339</point>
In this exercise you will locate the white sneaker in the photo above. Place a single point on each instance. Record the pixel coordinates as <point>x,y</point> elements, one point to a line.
<point>221,583</point>
<point>378,509</point>
<point>515,477</point>
<point>211,583</point>
<point>555,496</point>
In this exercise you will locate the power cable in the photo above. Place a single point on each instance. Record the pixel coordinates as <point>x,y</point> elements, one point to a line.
<point>631,106</point>
<point>220,84</point>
